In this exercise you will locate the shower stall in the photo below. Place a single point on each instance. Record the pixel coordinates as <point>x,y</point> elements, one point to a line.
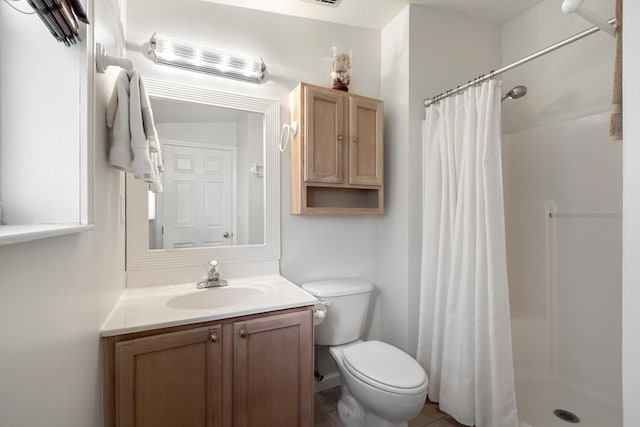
<point>564,261</point>
<point>562,179</point>
<point>563,202</point>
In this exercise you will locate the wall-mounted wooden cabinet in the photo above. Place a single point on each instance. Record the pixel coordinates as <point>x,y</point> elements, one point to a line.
<point>337,155</point>
<point>249,371</point>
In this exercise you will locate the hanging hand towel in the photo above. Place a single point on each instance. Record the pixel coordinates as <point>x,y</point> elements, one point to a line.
<point>141,165</point>
<point>118,120</point>
<point>135,146</point>
<point>151,135</point>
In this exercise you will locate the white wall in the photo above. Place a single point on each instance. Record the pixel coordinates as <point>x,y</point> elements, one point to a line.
<point>56,292</point>
<point>393,250</point>
<point>294,49</point>
<point>47,191</point>
<point>253,215</point>
<point>572,82</point>
<point>447,49</point>
<point>557,149</point>
<point>631,213</point>
<point>425,51</point>
<point>206,133</point>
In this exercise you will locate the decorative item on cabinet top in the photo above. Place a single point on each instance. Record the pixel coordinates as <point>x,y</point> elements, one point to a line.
<point>340,68</point>
<point>337,153</point>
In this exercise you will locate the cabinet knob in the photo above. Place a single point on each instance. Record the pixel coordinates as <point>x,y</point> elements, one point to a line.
<point>226,234</point>
<point>356,140</point>
<point>339,137</point>
<point>213,337</point>
<point>243,333</point>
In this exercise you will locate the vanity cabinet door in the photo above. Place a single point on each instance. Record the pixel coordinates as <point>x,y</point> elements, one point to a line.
<point>273,371</point>
<point>171,379</point>
<point>324,128</point>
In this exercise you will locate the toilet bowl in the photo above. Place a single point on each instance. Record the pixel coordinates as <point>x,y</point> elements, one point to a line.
<point>390,386</point>
<point>382,386</point>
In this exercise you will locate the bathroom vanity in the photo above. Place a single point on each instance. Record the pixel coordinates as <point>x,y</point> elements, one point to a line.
<point>238,355</point>
<point>169,360</point>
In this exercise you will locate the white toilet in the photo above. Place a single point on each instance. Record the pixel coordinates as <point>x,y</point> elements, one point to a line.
<point>382,386</point>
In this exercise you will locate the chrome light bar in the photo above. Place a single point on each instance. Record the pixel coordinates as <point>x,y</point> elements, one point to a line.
<point>191,56</point>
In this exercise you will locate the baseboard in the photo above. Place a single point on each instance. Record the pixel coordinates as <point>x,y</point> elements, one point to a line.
<point>330,380</point>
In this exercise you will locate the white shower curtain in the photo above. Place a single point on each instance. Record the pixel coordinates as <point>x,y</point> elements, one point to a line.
<point>464,340</point>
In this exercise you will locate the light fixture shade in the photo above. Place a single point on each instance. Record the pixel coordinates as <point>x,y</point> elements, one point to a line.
<point>191,56</point>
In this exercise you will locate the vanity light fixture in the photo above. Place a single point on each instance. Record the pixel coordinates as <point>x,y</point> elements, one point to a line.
<point>191,56</point>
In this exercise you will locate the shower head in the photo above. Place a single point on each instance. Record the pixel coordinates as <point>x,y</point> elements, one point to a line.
<point>515,93</point>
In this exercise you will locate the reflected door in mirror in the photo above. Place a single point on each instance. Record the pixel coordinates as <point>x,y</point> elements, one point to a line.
<point>197,203</point>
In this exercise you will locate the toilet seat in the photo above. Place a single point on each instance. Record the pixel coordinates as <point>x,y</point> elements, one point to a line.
<point>384,367</point>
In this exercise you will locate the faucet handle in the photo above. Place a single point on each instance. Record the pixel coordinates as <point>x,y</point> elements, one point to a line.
<point>214,268</point>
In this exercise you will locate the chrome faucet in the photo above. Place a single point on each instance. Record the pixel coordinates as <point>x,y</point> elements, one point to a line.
<point>213,277</point>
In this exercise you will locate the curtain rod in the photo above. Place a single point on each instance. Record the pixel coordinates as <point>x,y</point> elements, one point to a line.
<point>492,74</point>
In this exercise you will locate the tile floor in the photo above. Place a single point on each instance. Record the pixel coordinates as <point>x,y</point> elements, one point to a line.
<point>326,414</point>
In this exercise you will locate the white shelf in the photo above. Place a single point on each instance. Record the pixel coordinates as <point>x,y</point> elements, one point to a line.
<point>10,234</point>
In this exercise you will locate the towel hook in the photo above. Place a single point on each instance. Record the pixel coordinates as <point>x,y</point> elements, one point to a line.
<point>104,60</point>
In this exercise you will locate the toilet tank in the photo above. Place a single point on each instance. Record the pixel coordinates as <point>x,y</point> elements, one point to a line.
<point>347,303</point>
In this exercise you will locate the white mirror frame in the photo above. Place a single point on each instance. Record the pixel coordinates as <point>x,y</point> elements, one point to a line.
<point>140,257</point>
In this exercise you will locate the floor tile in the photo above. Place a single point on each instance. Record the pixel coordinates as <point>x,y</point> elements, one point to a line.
<point>429,414</point>
<point>323,420</point>
<point>335,418</point>
<point>326,414</point>
<point>324,402</point>
<point>445,422</point>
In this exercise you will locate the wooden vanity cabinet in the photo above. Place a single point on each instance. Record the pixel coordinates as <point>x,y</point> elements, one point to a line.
<point>337,154</point>
<point>250,371</point>
<point>171,379</point>
<point>272,371</point>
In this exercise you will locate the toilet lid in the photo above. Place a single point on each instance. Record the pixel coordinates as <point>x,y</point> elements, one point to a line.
<point>384,366</point>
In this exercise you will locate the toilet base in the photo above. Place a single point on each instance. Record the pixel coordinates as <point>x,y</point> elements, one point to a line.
<point>353,414</point>
<point>350,411</point>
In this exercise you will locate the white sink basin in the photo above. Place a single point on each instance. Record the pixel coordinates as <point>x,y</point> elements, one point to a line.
<point>223,296</point>
<point>182,304</point>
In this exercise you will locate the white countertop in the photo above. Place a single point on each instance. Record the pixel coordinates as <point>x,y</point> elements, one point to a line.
<point>158,307</point>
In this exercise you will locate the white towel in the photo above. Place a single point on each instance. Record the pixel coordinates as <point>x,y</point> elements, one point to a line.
<point>151,135</point>
<point>118,120</point>
<point>135,146</point>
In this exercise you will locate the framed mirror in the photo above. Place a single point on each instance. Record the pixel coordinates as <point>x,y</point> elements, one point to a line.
<point>220,197</point>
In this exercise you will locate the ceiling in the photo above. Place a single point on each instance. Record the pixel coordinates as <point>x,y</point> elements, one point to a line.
<point>376,14</point>
<point>497,11</point>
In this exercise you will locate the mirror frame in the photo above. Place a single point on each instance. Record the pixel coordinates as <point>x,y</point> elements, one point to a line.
<point>139,256</point>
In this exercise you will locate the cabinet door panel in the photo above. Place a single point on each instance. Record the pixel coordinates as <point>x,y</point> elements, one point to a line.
<point>365,141</point>
<point>170,379</point>
<point>324,132</point>
<point>273,371</point>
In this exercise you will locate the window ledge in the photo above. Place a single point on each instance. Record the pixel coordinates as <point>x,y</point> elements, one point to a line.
<point>10,234</point>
